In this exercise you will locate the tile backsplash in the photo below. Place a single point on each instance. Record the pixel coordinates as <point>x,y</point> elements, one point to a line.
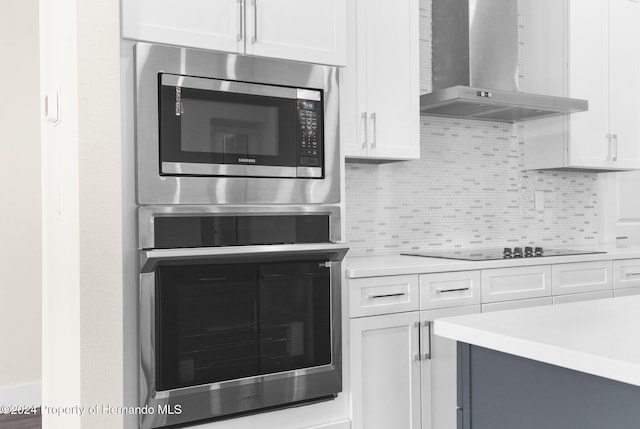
<point>468,189</point>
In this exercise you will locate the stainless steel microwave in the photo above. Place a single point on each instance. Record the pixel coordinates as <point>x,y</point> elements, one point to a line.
<point>214,128</point>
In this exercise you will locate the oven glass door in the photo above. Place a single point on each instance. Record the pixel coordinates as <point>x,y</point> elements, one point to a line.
<point>220,322</point>
<point>228,128</point>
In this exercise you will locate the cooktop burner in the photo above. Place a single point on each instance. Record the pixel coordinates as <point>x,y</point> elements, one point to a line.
<point>504,253</point>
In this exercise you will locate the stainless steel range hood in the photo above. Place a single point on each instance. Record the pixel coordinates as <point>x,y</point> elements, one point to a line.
<point>475,66</point>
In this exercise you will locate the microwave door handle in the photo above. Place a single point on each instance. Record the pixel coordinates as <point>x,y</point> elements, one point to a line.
<point>149,259</point>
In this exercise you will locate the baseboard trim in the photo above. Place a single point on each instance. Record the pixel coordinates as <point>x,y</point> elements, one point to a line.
<point>25,394</point>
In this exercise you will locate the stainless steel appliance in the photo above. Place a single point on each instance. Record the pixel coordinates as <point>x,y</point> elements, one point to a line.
<point>214,128</point>
<point>475,66</point>
<point>501,253</point>
<point>239,309</point>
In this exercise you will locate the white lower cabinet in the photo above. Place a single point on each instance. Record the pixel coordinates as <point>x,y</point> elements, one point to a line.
<point>626,273</point>
<point>439,371</point>
<point>385,371</point>
<point>581,277</point>
<point>504,284</point>
<point>403,376</point>
<point>453,289</point>
<point>383,295</point>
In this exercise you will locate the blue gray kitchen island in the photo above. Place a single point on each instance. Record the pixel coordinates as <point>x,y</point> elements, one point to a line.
<point>568,366</point>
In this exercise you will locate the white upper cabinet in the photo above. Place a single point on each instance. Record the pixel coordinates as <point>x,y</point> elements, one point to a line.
<point>593,53</point>
<point>196,23</point>
<point>624,82</point>
<point>380,90</point>
<point>301,30</point>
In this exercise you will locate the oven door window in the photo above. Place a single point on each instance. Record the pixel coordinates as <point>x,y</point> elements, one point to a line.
<point>221,322</point>
<point>218,124</point>
<point>295,316</point>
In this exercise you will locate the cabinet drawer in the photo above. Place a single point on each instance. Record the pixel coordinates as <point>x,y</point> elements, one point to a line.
<point>441,290</point>
<point>581,277</point>
<point>504,284</point>
<point>626,273</point>
<point>519,303</point>
<point>575,297</point>
<point>381,295</point>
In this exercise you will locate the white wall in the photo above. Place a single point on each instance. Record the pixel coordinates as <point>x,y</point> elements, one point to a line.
<point>82,232</point>
<point>20,218</point>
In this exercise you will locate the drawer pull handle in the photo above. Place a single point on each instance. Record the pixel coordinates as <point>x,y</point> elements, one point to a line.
<point>388,295</point>
<point>452,290</point>
<point>633,274</point>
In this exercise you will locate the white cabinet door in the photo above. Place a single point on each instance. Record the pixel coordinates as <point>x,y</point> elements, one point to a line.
<point>353,85</point>
<point>439,372</point>
<point>383,121</point>
<point>602,39</point>
<point>206,24</point>
<point>588,80</point>
<point>624,78</point>
<point>393,82</point>
<point>581,277</point>
<point>301,30</point>
<point>385,371</point>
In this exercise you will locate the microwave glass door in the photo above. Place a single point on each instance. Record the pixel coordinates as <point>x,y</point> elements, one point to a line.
<point>222,322</point>
<point>228,128</point>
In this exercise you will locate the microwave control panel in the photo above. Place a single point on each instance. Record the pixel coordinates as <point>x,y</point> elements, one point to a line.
<point>310,140</point>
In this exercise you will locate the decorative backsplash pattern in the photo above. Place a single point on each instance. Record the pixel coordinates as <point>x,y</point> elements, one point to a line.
<point>469,189</point>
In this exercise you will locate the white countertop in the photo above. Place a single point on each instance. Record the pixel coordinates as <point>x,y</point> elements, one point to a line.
<point>600,337</point>
<point>387,265</point>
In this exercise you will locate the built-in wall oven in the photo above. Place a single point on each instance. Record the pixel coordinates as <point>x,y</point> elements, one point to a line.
<point>214,128</point>
<point>239,309</point>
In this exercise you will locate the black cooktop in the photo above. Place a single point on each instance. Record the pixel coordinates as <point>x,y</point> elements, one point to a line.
<point>502,253</point>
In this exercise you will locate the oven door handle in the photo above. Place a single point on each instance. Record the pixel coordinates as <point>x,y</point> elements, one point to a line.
<point>297,276</point>
<point>149,259</point>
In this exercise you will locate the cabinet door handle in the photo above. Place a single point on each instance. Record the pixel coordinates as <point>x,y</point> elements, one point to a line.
<point>373,128</point>
<point>615,147</point>
<point>427,354</point>
<point>364,120</point>
<point>452,290</point>
<point>608,137</point>
<point>241,15</point>
<point>254,38</point>
<point>417,324</point>
<point>632,274</point>
<point>387,295</point>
